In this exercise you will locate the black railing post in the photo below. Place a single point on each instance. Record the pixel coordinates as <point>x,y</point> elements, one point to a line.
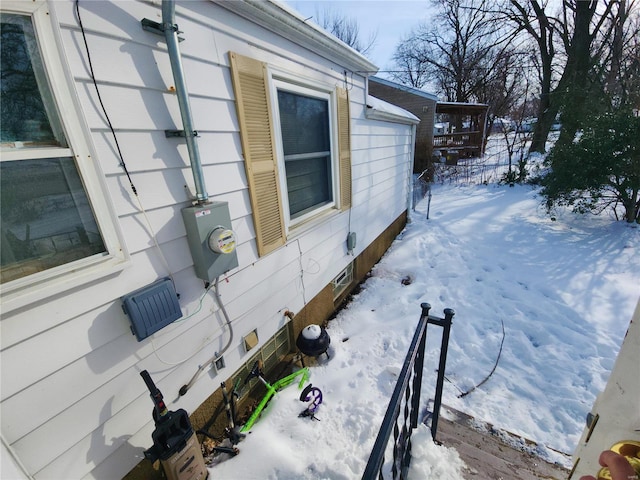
<point>389,425</point>
<point>407,394</point>
<point>418,368</point>
<point>445,323</point>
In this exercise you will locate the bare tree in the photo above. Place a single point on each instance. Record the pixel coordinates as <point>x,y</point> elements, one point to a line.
<point>345,29</point>
<point>516,137</point>
<point>598,97</point>
<point>411,69</point>
<point>584,55</point>
<point>458,52</point>
<point>577,84</point>
<point>508,87</point>
<point>533,19</point>
<point>580,49</point>
<point>620,54</point>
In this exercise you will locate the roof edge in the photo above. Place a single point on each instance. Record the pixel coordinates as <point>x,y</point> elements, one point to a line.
<point>405,88</point>
<point>288,23</point>
<point>382,110</point>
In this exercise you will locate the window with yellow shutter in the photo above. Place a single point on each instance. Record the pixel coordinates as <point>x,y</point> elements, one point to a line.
<point>295,138</point>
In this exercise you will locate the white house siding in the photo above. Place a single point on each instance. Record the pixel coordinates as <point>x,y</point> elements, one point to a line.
<point>73,403</point>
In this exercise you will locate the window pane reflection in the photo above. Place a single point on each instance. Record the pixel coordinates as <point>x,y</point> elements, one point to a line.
<point>47,220</point>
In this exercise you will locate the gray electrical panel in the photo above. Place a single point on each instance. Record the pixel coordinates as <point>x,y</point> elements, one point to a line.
<point>211,240</point>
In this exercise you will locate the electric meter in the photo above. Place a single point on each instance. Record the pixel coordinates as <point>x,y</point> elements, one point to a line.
<point>211,241</point>
<point>222,240</point>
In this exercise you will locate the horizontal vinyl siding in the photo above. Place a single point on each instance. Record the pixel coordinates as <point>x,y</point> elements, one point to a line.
<point>381,171</point>
<point>83,410</point>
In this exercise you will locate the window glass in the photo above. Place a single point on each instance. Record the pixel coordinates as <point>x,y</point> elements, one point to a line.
<point>28,110</point>
<point>46,216</point>
<point>305,130</point>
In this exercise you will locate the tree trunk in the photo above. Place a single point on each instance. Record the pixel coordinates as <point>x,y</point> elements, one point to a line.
<point>578,64</point>
<point>632,207</point>
<point>547,111</point>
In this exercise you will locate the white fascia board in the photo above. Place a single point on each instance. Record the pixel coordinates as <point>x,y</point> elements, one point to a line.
<point>380,110</point>
<point>286,22</point>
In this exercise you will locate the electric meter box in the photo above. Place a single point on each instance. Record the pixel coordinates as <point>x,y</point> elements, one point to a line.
<point>211,240</point>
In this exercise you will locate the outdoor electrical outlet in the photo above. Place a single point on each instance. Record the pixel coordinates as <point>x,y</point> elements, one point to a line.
<point>351,241</point>
<point>250,340</point>
<point>219,363</point>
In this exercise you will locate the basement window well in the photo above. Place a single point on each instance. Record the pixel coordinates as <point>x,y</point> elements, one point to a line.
<point>273,351</point>
<point>342,281</point>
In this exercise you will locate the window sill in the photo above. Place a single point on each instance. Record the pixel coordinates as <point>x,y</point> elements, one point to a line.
<point>312,222</point>
<point>20,293</point>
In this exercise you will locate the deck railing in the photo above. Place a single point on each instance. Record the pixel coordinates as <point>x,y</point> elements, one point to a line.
<point>406,400</point>
<point>461,139</point>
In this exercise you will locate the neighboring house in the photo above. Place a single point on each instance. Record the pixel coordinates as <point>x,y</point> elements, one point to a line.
<point>448,130</point>
<point>284,140</point>
<point>466,131</point>
<point>418,102</point>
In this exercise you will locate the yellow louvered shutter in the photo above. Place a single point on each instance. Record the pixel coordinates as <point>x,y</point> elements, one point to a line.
<point>249,78</point>
<point>344,145</point>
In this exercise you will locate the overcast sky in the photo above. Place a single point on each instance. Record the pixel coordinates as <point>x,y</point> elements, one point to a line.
<point>388,20</point>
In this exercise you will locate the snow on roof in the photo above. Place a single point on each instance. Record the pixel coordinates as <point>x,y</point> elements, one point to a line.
<point>380,110</point>
<point>405,88</point>
<point>467,104</point>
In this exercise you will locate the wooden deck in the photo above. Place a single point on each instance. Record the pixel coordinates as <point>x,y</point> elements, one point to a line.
<point>465,144</point>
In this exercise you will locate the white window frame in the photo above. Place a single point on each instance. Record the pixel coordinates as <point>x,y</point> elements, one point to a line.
<point>31,288</point>
<point>285,81</point>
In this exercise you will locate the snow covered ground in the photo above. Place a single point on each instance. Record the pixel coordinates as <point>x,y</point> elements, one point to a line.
<point>563,289</point>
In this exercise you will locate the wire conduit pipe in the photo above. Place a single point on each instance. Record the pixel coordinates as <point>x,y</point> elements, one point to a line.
<point>185,388</point>
<point>171,35</point>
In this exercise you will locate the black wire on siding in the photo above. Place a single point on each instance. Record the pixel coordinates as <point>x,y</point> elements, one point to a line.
<point>104,110</point>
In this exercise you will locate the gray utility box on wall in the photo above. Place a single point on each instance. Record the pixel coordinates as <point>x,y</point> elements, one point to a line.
<point>211,240</point>
<point>152,308</point>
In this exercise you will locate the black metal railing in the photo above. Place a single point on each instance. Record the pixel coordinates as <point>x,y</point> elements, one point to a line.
<point>406,397</point>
